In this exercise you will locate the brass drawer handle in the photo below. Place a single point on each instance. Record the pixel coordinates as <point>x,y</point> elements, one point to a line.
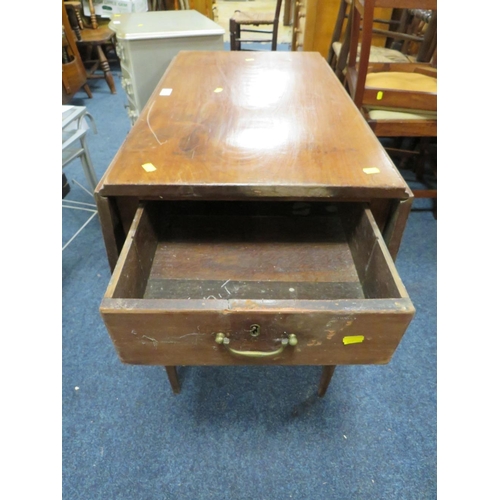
<point>290,340</point>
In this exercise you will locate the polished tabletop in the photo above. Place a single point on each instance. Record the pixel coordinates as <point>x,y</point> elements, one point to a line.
<point>238,125</point>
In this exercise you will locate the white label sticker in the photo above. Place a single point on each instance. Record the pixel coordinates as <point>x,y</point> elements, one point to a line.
<point>371,170</point>
<point>149,167</point>
<point>165,91</point>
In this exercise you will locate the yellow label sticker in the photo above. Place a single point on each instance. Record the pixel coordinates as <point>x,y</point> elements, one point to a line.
<point>218,89</point>
<point>371,170</point>
<point>380,94</point>
<point>116,15</point>
<point>149,167</point>
<point>353,339</point>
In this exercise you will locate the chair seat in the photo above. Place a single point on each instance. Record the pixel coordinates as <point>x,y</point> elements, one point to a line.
<point>96,36</point>
<point>253,17</point>
<point>389,114</point>
<point>398,80</point>
<point>377,54</point>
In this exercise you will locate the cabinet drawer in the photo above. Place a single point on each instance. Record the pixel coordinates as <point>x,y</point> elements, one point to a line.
<point>220,283</point>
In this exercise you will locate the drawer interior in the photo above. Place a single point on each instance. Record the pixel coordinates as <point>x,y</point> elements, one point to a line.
<point>256,251</point>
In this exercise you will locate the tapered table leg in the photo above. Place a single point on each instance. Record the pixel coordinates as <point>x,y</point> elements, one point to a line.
<point>173,379</point>
<point>326,376</point>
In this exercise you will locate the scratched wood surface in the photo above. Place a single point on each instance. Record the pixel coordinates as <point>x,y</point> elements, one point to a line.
<point>155,333</point>
<point>350,289</point>
<point>236,125</point>
<point>176,249</point>
<point>255,248</point>
<point>253,257</point>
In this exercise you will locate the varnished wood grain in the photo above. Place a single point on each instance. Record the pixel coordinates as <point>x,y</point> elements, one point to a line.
<point>141,242</point>
<point>175,332</point>
<point>255,248</point>
<point>111,227</point>
<point>376,271</point>
<point>239,125</point>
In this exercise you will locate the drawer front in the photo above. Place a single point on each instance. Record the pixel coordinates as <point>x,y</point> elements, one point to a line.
<point>304,290</point>
<point>158,334</point>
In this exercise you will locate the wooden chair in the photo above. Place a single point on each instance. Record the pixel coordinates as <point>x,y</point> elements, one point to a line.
<point>74,76</point>
<point>398,100</point>
<point>93,39</point>
<point>246,19</point>
<point>408,38</point>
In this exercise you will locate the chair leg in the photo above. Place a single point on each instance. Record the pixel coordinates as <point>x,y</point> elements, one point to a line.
<point>274,43</point>
<point>237,35</point>
<point>103,62</point>
<point>324,382</point>
<point>173,379</point>
<point>422,149</point>
<point>88,53</point>
<point>410,144</point>
<point>87,90</point>
<point>232,33</point>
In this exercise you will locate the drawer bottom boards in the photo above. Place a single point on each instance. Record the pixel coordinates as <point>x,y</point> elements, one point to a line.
<point>221,283</point>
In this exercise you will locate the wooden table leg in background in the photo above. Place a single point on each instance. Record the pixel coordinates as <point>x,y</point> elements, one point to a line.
<point>326,376</point>
<point>173,379</point>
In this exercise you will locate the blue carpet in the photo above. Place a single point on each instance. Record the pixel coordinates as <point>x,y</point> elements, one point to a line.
<point>238,433</point>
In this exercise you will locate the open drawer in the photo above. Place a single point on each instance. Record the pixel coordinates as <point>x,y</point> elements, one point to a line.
<point>220,283</point>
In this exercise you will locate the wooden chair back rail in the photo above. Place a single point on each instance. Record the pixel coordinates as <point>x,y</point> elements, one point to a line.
<point>429,43</point>
<point>409,31</point>
<point>342,17</point>
<point>93,18</point>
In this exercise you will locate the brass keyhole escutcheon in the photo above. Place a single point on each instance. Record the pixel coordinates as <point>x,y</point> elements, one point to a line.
<point>254,330</point>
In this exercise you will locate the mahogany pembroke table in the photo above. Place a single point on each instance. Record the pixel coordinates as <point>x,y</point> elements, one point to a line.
<point>252,217</point>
